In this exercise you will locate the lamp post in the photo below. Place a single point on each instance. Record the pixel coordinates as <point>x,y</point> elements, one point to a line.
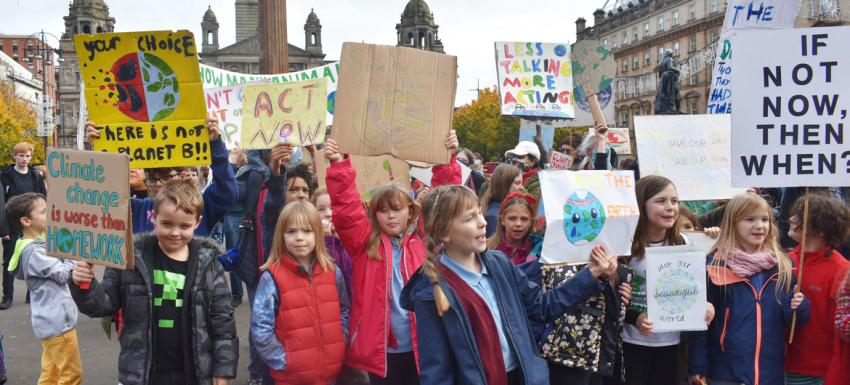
<point>44,53</point>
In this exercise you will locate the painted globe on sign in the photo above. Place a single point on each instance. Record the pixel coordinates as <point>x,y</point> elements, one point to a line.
<point>65,240</point>
<point>147,87</point>
<point>584,217</point>
<point>676,291</point>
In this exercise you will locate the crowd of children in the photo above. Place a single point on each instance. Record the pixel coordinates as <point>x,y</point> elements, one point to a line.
<point>433,285</point>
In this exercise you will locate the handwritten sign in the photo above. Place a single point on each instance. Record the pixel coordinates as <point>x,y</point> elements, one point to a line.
<point>535,79</point>
<point>560,161</point>
<point>396,101</point>
<point>225,105</point>
<point>794,132</point>
<point>212,77</point>
<point>372,172</point>
<point>143,89</point>
<point>88,215</point>
<point>273,113</point>
<point>593,68</point>
<point>743,14</point>
<point>694,151</point>
<point>587,208</point>
<point>675,288</point>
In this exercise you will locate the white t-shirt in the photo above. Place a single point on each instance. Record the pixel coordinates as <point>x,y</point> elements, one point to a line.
<point>631,333</point>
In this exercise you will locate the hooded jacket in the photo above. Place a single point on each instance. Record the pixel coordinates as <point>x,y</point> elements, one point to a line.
<point>211,346</point>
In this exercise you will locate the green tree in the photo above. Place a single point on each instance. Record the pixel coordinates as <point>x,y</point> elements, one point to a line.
<point>482,128</point>
<point>17,124</point>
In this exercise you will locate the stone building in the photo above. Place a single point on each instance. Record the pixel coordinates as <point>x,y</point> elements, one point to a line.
<point>27,51</point>
<point>244,55</point>
<point>417,28</point>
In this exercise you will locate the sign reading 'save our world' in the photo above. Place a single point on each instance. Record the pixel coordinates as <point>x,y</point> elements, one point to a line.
<point>797,83</point>
<point>675,288</point>
<point>88,209</point>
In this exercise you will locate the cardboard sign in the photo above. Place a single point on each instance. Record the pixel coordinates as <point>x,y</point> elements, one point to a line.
<point>396,101</point>
<point>225,104</point>
<point>212,77</point>
<point>587,208</point>
<point>88,211</point>
<point>593,68</point>
<point>143,89</point>
<point>743,14</point>
<point>274,113</point>
<point>560,161</point>
<point>372,172</point>
<point>793,133</point>
<point>694,151</point>
<point>535,79</point>
<point>675,288</point>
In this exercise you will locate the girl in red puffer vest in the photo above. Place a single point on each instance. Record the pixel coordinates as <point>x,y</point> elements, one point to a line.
<point>299,322</point>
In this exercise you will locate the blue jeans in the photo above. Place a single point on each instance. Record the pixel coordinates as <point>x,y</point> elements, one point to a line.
<point>230,228</point>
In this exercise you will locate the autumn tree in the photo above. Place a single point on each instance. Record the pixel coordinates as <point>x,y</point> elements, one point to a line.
<point>17,124</point>
<point>482,128</point>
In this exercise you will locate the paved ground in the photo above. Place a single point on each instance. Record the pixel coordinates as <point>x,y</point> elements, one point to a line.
<point>99,354</point>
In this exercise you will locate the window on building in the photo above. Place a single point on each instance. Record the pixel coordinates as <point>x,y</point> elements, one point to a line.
<point>713,37</point>
<point>647,59</point>
<point>625,38</point>
<point>714,6</point>
<point>1,46</point>
<point>605,43</point>
<point>660,23</point>
<point>645,29</point>
<point>675,20</point>
<point>660,54</point>
<point>615,41</point>
<point>635,62</point>
<point>694,78</point>
<point>625,65</point>
<point>634,34</point>
<point>676,49</point>
<point>692,43</point>
<point>693,109</point>
<point>692,12</point>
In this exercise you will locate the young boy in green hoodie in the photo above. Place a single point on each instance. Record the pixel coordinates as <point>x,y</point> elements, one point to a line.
<point>54,314</point>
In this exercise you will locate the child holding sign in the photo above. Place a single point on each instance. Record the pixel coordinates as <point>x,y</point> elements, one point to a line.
<point>299,322</point>
<point>385,255</point>
<point>825,268</point>
<point>178,319</point>
<point>472,304</point>
<point>750,285</point>
<point>54,314</point>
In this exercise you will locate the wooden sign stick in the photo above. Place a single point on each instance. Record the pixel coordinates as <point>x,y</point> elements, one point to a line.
<point>596,109</point>
<point>802,259</point>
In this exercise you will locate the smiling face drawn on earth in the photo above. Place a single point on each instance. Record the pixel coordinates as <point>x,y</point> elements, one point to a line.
<point>584,217</point>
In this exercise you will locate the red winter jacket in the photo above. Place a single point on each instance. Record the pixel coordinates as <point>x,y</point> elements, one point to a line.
<point>822,277</point>
<point>308,324</point>
<point>840,372</point>
<point>372,279</point>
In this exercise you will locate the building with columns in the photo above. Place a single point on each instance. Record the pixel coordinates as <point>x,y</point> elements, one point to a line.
<point>417,28</point>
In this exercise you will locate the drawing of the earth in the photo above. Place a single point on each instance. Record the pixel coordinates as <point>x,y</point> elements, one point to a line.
<point>604,97</point>
<point>676,291</point>
<point>147,87</point>
<point>584,217</point>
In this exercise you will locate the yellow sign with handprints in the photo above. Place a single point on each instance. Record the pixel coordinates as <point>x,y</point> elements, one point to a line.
<point>284,112</point>
<point>143,91</point>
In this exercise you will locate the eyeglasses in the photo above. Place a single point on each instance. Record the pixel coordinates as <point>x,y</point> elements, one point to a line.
<point>151,180</point>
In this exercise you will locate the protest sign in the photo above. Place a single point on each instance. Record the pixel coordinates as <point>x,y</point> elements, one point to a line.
<point>395,100</point>
<point>593,68</point>
<point>535,79</point>
<point>693,151</point>
<point>700,240</point>
<point>528,128</point>
<point>424,174</point>
<point>212,77</point>
<point>560,161</point>
<point>293,112</point>
<point>794,135</point>
<point>619,140</point>
<point>587,208</point>
<point>143,90</point>
<point>743,14</point>
<point>225,105</point>
<point>676,288</point>
<point>372,172</point>
<point>88,215</point>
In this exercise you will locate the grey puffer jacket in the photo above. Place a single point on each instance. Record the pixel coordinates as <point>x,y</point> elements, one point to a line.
<point>211,345</point>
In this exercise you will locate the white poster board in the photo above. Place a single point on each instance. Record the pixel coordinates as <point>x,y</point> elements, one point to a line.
<point>793,131</point>
<point>587,208</point>
<point>424,174</point>
<point>743,14</point>
<point>676,288</point>
<point>693,151</point>
<point>535,79</point>
<point>225,104</point>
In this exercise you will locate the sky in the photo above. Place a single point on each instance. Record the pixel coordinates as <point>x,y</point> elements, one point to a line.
<point>468,28</point>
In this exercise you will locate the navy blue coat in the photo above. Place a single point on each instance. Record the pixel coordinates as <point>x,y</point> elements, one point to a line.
<point>448,352</point>
<point>736,347</point>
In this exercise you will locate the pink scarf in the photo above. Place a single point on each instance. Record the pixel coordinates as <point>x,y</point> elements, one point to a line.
<point>745,265</point>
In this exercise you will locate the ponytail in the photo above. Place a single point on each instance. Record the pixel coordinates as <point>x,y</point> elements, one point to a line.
<point>431,270</point>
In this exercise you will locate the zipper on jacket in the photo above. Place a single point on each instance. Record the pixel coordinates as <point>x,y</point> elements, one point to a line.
<point>757,294</point>
<point>723,333</point>
<point>388,293</point>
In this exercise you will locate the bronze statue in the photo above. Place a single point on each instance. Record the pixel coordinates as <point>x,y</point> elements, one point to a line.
<point>667,97</point>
